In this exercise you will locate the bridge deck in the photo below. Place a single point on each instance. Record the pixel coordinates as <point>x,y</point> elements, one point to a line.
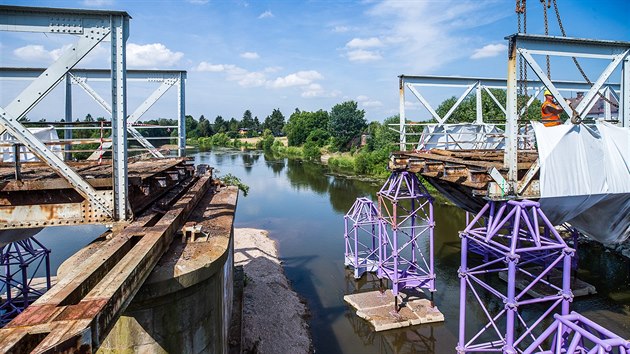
<point>39,197</point>
<point>76,314</point>
<point>464,175</point>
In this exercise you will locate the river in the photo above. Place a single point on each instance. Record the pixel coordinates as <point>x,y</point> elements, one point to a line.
<point>302,206</point>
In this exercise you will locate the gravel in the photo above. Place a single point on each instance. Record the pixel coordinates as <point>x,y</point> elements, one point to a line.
<point>274,317</point>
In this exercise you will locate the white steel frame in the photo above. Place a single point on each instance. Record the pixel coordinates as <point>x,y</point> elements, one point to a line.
<point>414,84</point>
<point>525,46</point>
<point>81,77</point>
<point>91,27</point>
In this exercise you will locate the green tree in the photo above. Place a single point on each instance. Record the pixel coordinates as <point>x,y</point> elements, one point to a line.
<point>274,122</point>
<point>466,112</point>
<point>346,123</point>
<point>204,128</point>
<point>247,122</point>
<point>301,124</point>
<point>220,125</point>
<point>191,127</point>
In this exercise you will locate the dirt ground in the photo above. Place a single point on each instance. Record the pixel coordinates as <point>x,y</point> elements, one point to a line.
<point>274,317</point>
<point>253,141</point>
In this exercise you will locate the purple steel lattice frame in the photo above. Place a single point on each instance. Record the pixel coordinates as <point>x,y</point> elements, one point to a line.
<point>406,208</point>
<point>575,333</point>
<point>513,239</point>
<point>15,259</point>
<point>362,232</point>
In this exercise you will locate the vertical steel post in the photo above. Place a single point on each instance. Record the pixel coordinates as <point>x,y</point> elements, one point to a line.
<point>402,129</point>
<point>511,126</point>
<point>607,106</point>
<point>67,133</point>
<point>479,105</point>
<point>624,102</point>
<point>181,110</point>
<point>119,35</point>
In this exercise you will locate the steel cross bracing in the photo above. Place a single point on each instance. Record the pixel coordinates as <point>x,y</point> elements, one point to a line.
<point>526,46</point>
<point>519,241</point>
<point>414,84</point>
<point>91,27</point>
<point>81,77</point>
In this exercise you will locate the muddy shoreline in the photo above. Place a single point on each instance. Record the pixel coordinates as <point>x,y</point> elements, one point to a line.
<point>274,316</point>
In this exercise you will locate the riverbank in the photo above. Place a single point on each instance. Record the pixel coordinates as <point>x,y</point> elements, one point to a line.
<point>274,317</point>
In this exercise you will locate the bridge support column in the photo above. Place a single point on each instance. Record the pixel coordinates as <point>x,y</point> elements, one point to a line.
<point>362,234</point>
<point>406,255</point>
<point>20,261</point>
<point>523,248</point>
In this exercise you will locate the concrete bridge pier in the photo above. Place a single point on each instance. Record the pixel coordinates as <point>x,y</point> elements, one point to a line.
<point>185,304</point>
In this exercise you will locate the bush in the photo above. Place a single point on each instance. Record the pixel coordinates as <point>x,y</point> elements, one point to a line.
<point>341,163</point>
<point>267,141</point>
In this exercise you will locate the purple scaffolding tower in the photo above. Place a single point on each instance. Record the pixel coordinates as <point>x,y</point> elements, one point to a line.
<point>406,208</point>
<point>15,280</point>
<point>511,240</point>
<point>575,333</point>
<point>362,231</point>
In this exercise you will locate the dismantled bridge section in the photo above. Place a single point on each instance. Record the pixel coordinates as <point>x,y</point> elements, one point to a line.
<point>41,198</point>
<point>77,313</point>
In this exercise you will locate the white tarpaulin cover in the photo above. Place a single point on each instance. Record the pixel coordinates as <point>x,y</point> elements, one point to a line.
<point>585,178</point>
<point>42,134</point>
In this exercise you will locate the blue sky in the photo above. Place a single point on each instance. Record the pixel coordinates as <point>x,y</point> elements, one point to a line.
<point>261,55</point>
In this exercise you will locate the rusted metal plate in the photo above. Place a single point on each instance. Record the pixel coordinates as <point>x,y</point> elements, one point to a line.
<point>41,198</point>
<point>462,174</point>
<point>77,312</point>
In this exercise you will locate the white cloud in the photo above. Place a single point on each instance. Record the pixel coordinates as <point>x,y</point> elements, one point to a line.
<point>364,43</point>
<point>421,36</point>
<point>488,51</point>
<point>37,53</point>
<point>366,102</point>
<point>33,52</point>
<point>303,79</point>
<point>250,55</point>
<point>205,66</point>
<point>341,29</point>
<point>316,90</point>
<point>363,55</point>
<point>97,3</point>
<point>151,55</point>
<point>198,2</point>
<point>299,78</point>
<point>266,14</point>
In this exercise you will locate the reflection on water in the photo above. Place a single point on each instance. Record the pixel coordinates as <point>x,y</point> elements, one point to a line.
<point>302,205</point>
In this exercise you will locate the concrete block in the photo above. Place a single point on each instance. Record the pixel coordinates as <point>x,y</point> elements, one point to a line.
<point>378,309</point>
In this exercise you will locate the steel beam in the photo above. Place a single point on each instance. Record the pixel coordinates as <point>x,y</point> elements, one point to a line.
<point>511,125</point>
<point>569,47</point>
<point>624,102</point>
<point>119,35</point>
<point>68,117</point>
<point>498,83</point>
<point>402,116</point>
<point>181,110</point>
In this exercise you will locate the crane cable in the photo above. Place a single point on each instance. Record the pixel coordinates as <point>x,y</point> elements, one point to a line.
<point>521,9</point>
<point>577,64</point>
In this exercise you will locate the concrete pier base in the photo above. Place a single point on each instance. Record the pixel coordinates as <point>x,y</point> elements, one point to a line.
<point>185,304</point>
<point>378,309</point>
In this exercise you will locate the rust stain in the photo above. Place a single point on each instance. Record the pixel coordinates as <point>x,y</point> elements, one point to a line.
<point>81,311</point>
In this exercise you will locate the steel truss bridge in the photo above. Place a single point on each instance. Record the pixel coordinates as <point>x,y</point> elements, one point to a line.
<point>144,193</point>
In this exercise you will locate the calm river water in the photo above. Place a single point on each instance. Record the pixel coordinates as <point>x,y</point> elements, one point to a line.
<point>302,206</point>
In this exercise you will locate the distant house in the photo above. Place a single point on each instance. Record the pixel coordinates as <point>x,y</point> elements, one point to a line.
<point>243,131</point>
<point>599,108</point>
